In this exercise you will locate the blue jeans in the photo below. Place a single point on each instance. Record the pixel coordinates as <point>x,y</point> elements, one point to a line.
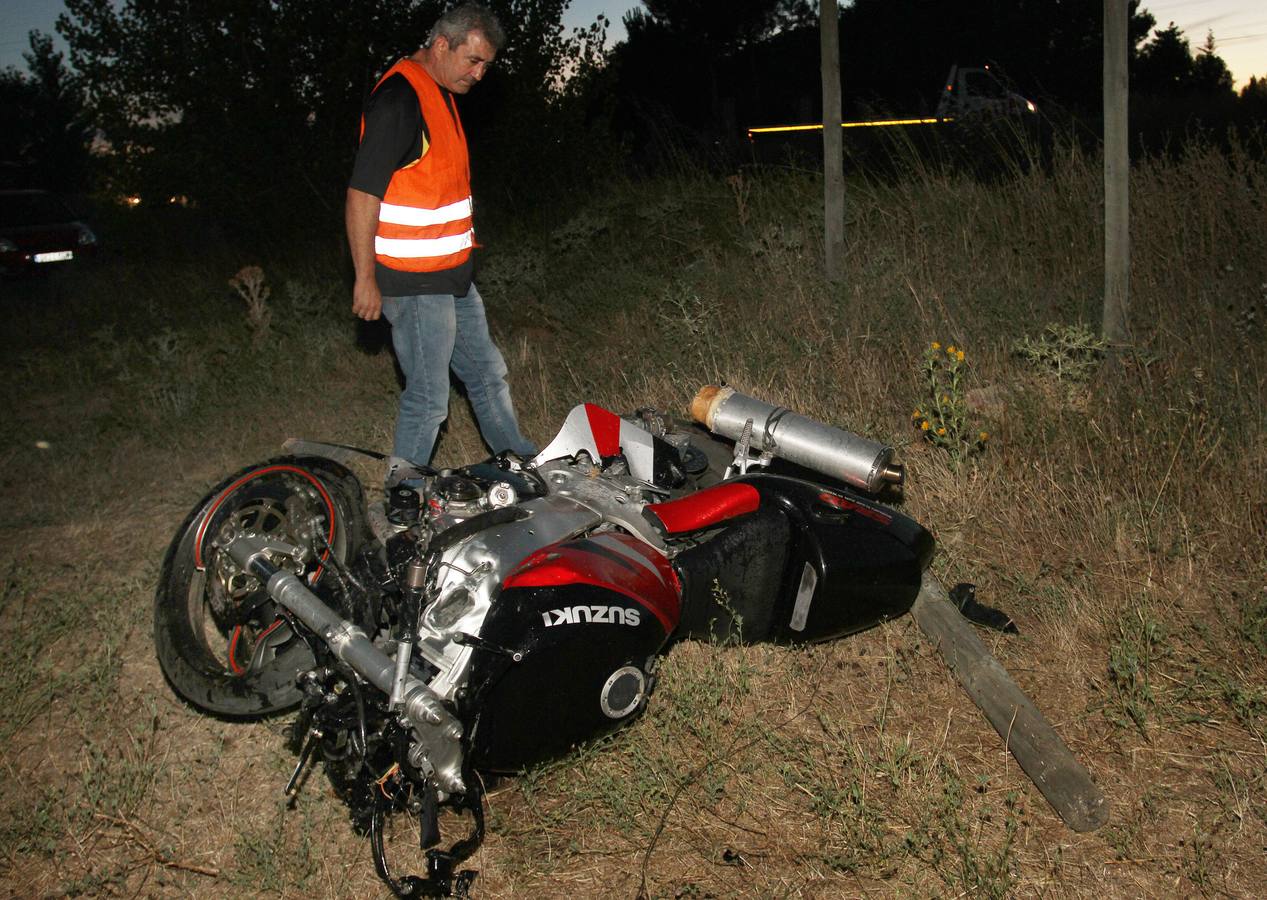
<point>431,334</point>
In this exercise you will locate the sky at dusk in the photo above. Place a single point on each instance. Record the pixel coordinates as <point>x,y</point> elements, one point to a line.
<point>1240,26</point>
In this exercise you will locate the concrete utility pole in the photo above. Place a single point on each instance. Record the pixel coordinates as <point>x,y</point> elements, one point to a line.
<point>833,144</point>
<point>1117,170</point>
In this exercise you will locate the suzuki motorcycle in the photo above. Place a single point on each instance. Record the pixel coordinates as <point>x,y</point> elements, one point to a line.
<point>416,636</point>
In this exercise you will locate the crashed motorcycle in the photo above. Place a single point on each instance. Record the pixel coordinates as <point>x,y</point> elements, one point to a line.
<point>420,637</point>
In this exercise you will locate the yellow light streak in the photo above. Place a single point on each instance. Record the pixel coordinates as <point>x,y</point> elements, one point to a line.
<point>874,123</point>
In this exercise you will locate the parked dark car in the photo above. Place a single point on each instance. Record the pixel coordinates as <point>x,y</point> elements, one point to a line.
<point>38,229</point>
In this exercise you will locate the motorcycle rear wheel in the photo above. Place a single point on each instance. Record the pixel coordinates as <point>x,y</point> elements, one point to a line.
<point>220,640</point>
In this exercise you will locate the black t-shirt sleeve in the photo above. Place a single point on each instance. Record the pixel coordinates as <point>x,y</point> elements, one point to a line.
<point>394,131</point>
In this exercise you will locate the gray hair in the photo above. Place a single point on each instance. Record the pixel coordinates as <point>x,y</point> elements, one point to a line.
<point>456,24</point>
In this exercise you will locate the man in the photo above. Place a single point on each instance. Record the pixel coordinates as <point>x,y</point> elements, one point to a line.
<point>408,217</point>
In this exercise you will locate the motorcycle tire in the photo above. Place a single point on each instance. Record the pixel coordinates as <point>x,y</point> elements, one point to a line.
<point>221,643</point>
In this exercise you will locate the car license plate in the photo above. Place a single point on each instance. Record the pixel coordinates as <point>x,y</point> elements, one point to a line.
<point>57,256</point>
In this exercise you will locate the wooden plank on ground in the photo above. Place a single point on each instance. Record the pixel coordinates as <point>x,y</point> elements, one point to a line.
<point>1042,755</point>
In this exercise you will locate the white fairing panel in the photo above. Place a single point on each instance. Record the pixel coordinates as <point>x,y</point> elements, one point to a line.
<point>602,433</point>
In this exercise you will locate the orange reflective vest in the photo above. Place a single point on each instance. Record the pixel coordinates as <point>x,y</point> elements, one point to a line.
<point>424,221</point>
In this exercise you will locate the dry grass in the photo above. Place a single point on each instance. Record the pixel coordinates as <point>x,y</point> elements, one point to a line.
<point>1120,520</point>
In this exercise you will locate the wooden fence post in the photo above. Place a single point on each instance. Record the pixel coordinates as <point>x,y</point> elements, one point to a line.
<point>833,144</point>
<point>1117,170</point>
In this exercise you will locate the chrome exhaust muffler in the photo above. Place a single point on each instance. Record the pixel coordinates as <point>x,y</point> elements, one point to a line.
<point>780,432</point>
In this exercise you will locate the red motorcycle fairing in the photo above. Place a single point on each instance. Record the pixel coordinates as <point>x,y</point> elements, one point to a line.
<point>568,651</point>
<point>612,561</point>
<point>605,425</point>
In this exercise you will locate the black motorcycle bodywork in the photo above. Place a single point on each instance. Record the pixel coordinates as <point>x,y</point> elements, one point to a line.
<point>536,600</point>
<point>808,564</point>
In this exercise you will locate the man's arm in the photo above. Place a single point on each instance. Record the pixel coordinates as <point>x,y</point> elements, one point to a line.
<point>360,215</point>
<point>395,136</point>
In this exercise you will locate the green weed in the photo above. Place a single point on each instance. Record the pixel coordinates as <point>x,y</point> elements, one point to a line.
<point>31,674</point>
<point>115,778</point>
<point>1066,352</point>
<point>33,827</point>
<point>941,413</point>
<point>1140,641</point>
<point>692,320</point>
<point>1248,704</point>
<point>979,871</point>
<point>1125,832</point>
<point>1198,862</point>
<point>1252,622</point>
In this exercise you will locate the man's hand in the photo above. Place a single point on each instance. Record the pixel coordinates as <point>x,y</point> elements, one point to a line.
<point>361,218</point>
<point>367,300</point>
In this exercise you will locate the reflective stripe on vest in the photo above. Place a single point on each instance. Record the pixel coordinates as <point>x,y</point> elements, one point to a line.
<point>413,215</point>
<point>417,248</point>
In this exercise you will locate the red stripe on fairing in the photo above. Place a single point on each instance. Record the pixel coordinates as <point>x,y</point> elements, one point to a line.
<point>845,503</point>
<point>656,589</point>
<point>707,507</point>
<point>605,426</point>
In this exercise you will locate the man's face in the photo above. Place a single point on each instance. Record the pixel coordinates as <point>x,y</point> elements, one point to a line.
<point>458,68</point>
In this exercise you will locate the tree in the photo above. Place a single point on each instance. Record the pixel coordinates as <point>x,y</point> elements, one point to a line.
<point>44,130</point>
<point>1253,99</point>
<point>1166,67</point>
<point>723,26</point>
<point>539,129</point>
<point>246,107</point>
<point>695,61</point>
<point>1210,75</point>
<point>671,68</point>
<point>1165,63</point>
<point>251,107</point>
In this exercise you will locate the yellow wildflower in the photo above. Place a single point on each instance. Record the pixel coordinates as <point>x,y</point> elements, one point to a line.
<point>950,351</point>
<point>916,414</point>
<point>983,436</point>
<point>942,430</point>
<point>923,426</point>
<point>936,346</point>
<point>959,356</point>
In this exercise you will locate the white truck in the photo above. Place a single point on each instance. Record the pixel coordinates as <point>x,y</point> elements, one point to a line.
<point>978,92</point>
